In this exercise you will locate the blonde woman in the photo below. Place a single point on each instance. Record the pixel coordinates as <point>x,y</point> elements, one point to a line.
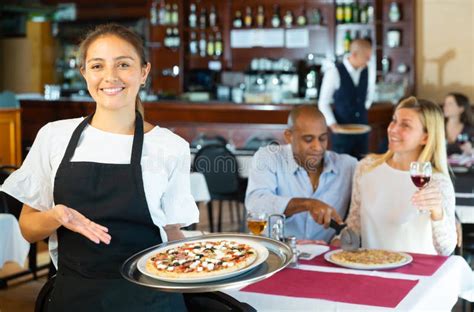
<point>384,200</point>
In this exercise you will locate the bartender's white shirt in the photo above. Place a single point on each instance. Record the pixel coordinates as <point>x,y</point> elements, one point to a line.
<point>165,164</point>
<point>332,82</point>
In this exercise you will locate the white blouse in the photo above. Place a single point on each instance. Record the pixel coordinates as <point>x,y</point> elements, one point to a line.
<point>165,164</point>
<point>382,213</point>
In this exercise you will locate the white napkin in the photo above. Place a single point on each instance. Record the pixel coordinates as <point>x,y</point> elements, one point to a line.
<point>309,251</point>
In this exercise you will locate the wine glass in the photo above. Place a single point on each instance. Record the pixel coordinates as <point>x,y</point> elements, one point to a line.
<point>420,172</point>
<point>256,222</point>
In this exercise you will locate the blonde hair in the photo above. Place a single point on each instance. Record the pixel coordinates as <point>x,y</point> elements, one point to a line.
<point>432,119</point>
<point>123,33</point>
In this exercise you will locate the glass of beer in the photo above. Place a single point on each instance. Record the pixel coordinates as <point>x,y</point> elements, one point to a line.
<point>256,222</point>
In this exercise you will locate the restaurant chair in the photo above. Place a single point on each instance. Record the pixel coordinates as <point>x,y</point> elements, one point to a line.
<point>205,139</point>
<point>41,304</point>
<point>215,301</point>
<point>220,168</point>
<point>255,142</point>
<point>9,204</point>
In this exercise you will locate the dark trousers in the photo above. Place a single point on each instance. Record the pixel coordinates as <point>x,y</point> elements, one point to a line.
<point>356,145</point>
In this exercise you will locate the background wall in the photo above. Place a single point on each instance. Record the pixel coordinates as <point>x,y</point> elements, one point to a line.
<point>445,48</point>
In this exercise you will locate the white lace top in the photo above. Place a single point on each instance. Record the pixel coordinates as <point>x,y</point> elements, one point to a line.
<point>382,213</point>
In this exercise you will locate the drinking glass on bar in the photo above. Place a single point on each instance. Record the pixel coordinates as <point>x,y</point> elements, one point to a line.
<point>420,172</point>
<point>256,222</point>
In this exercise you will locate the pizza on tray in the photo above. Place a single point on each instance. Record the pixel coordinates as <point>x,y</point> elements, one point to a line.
<point>368,257</point>
<point>201,259</point>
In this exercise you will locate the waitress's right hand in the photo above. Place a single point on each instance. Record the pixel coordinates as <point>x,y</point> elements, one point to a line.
<point>76,222</point>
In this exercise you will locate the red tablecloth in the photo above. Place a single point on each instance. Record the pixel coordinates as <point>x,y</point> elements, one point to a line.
<point>349,288</point>
<point>425,265</point>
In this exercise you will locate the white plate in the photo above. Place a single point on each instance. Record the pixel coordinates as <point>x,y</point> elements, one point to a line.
<point>353,129</point>
<point>262,255</point>
<point>408,259</point>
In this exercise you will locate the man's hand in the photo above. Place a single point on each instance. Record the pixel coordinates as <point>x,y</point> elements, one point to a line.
<point>76,222</point>
<point>323,213</point>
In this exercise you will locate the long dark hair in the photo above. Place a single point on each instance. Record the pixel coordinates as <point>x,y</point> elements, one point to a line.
<point>463,101</point>
<point>123,33</point>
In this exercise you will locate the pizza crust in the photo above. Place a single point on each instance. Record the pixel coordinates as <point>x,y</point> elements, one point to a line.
<point>368,257</point>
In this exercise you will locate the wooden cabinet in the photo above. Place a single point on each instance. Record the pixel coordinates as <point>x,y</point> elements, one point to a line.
<point>10,137</point>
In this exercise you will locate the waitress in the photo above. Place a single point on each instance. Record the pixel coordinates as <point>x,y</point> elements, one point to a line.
<point>107,186</point>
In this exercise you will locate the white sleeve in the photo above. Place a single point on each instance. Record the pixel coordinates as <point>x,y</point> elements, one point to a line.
<point>31,183</point>
<point>177,202</point>
<point>444,230</point>
<point>353,219</point>
<point>330,84</point>
<point>370,90</point>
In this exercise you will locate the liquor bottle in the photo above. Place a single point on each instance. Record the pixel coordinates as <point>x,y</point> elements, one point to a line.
<point>210,45</point>
<point>192,16</point>
<point>193,44</point>
<point>288,19</point>
<point>260,16</point>
<point>316,17</point>
<point>168,40</point>
<point>162,13</point>
<point>202,44</point>
<point>176,40</point>
<point>370,13</point>
<point>154,13</point>
<point>347,13</point>
<point>394,12</point>
<point>248,17</point>
<point>301,19</point>
<point>218,46</point>
<point>276,16</point>
<point>174,15</point>
<point>347,41</point>
<point>202,18</point>
<point>363,15</point>
<point>167,20</point>
<point>339,13</point>
<point>237,23</point>
<point>355,12</point>
<point>212,17</point>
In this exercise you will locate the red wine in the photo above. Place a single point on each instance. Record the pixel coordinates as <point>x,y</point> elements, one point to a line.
<point>420,181</point>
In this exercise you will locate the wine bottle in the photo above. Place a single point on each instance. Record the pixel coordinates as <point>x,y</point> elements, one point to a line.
<point>193,45</point>
<point>210,45</point>
<point>288,19</point>
<point>301,19</point>
<point>339,13</point>
<point>202,18</point>
<point>192,19</point>
<point>248,17</point>
<point>347,13</point>
<point>202,44</point>
<point>260,16</point>
<point>154,13</point>
<point>237,23</point>
<point>212,17</point>
<point>276,16</point>
<point>218,46</point>
<point>174,15</point>
<point>347,41</point>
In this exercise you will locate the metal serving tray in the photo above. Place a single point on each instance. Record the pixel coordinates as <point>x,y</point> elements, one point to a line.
<point>279,257</point>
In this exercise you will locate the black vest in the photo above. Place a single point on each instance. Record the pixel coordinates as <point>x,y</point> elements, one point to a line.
<point>349,100</point>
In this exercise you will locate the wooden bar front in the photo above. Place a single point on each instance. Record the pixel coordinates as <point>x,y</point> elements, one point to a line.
<point>235,122</point>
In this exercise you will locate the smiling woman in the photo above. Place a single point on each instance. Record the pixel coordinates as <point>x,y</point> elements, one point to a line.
<point>97,205</point>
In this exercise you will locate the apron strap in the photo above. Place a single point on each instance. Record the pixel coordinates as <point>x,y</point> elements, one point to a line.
<point>76,135</point>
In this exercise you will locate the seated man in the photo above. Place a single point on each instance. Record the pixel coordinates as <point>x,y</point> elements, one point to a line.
<point>302,180</point>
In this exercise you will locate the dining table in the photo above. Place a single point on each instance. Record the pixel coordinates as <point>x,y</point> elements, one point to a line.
<point>428,283</point>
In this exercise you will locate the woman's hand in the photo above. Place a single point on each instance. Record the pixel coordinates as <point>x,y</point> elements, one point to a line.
<point>76,222</point>
<point>429,199</point>
<point>466,148</point>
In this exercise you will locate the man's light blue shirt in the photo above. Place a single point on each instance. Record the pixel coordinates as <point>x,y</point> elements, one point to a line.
<point>275,178</point>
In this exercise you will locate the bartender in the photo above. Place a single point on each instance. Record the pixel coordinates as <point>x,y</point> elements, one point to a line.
<point>107,186</point>
<point>349,88</point>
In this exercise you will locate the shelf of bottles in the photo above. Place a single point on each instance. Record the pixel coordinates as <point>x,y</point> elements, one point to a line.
<point>204,36</point>
<point>165,16</point>
<point>272,17</point>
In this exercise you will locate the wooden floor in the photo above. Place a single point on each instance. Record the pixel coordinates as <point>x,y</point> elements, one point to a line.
<point>21,294</point>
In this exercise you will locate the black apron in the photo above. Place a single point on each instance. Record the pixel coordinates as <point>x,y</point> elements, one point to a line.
<point>112,195</point>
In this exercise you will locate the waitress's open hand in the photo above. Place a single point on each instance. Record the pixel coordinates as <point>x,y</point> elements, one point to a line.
<point>429,199</point>
<point>76,222</point>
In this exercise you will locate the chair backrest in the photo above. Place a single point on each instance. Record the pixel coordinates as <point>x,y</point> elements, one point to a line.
<point>215,301</point>
<point>8,204</point>
<point>220,168</point>
<point>41,304</point>
<point>203,140</point>
<point>254,143</point>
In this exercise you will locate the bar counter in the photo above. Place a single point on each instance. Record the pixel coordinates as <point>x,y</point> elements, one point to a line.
<point>236,122</point>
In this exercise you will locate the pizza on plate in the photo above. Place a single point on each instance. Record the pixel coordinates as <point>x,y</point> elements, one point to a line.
<point>368,257</point>
<point>201,259</point>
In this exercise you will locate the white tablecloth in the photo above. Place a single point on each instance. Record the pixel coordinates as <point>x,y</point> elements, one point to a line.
<point>432,293</point>
<point>13,247</point>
